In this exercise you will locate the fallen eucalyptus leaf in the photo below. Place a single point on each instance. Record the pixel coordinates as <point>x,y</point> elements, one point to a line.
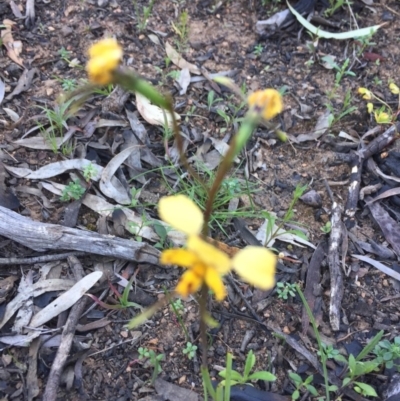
<point>178,60</point>
<point>154,115</point>
<point>66,300</point>
<point>110,185</point>
<point>380,266</point>
<point>37,289</point>
<point>57,168</point>
<point>357,33</point>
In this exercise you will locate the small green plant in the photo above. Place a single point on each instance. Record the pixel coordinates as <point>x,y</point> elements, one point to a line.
<point>153,360</point>
<point>301,384</point>
<point>285,290</point>
<point>334,5</point>
<point>104,90</point>
<point>357,369</point>
<point>162,232</point>
<point>364,42</point>
<point>67,84</point>
<point>272,229</point>
<point>237,378</point>
<point>326,228</point>
<point>74,190</point>
<point>57,120</point>
<point>89,172</point>
<point>332,353</point>
<point>377,81</point>
<point>211,100</point>
<point>177,305</point>
<point>258,49</point>
<point>143,353</point>
<point>190,350</point>
<point>143,15</point>
<point>231,188</point>
<point>135,228</point>
<point>387,352</point>
<point>181,28</point>
<point>65,54</point>
<point>123,299</point>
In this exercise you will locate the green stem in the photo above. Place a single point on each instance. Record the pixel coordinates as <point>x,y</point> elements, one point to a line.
<point>318,337</point>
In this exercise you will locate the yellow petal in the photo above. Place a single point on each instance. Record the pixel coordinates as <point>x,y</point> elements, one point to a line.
<point>180,257</point>
<point>382,117</point>
<point>394,88</point>
<point>215,283</point>
<point>268,102</point>
<point>366,94</point>
<point>188,284</point>
<point>256,265</point>
<point>104,58</point>
<point>181,213</point>
<point>209,254</point>
<point>370,107</point>
<point>104,46</point>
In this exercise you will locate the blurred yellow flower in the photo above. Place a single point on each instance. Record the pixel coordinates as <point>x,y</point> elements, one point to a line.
<point>366,94</point>
<point>104,58</point>
<point>381,117</point>
<point>394,88</point>
<point>204,262</point>
<point>370,107</point>
<point>267,102</point>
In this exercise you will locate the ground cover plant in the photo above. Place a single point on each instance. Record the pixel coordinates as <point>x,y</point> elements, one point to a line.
<point>190,208</point>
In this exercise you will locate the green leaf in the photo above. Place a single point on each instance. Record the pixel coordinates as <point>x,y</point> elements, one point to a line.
<point>295,394</point>
<point>296,378</point>
<point>329,35</point>
<point>160,230</point>
<point>312,390</point>
<point>367,390</point>
<point>250,362</point>
<point>264,375</point>
<point>346,381</point>
<point>370,346</point>
<point>352,363</point>
<point>234,374</point>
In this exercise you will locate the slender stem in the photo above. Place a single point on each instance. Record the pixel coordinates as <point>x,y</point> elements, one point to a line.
<point>179,145</point>
<point>318,337</point>
<point>221,173</point>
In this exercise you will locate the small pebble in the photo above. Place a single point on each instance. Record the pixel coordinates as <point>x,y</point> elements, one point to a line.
<point>312,198</point>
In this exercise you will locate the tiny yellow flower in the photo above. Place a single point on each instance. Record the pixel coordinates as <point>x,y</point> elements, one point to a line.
<point>394,88</point>
<point>267,102</point>
<point>104,58</point>
<point>382,117</point>
<point>370,107</point>
<point>204,262</point>
<point>365,93</point>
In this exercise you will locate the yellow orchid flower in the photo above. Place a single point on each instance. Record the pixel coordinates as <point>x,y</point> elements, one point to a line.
<point>394,88</point>
<point>365,93</point>
<point>382,117</point>
<point>204,262</point>
<point>104,58</point>
<point>267,102</point>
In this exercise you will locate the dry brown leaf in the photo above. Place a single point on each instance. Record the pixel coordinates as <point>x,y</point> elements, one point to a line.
<point>178,60</point>
<point>14,47</point>
<point>154,115</point>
